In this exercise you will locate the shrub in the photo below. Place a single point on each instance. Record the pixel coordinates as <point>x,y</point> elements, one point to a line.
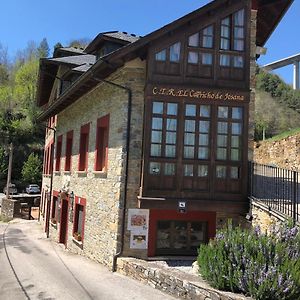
<point>258,265</point>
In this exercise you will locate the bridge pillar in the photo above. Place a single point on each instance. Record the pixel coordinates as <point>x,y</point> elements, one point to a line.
<point>296,83</point>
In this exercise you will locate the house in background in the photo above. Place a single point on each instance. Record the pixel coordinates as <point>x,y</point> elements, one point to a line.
<point>150,136</point>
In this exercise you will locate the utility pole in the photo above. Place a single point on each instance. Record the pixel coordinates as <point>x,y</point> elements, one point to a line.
<point>9,169</point>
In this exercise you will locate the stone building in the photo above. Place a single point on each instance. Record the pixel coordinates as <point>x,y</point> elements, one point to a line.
<point>149,137</point>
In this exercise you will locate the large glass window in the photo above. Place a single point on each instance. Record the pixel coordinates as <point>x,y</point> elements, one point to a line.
<point>171,53</point>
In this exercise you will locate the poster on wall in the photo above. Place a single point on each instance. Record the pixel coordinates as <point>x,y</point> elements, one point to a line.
<point>138,219</point>
<point>138,239</point>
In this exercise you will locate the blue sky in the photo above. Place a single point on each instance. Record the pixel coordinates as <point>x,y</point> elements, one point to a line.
<point>64,20</point>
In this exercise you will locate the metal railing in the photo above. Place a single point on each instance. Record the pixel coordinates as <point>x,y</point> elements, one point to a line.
<point>276,188</point>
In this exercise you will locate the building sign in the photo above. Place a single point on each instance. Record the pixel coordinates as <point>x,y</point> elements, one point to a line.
<point>198,94</point>
<point>138,222</point>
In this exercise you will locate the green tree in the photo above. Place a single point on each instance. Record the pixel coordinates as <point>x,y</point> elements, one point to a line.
<point>43,49</point>
<point>3,164</point>
<point>32,169</point>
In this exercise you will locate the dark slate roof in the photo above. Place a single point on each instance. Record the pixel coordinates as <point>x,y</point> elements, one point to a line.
<point>67,51</point>
<point>82,68</point>
<point>75,60</point>
<point>124,36</point>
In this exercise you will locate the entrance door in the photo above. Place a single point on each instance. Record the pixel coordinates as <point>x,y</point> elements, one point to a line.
<point>64,222</point>
<point>180,237</point>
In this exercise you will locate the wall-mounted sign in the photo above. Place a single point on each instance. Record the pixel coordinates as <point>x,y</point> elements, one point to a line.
<point>197,94</point>
<point>138,222</point>
<point>182,207</point>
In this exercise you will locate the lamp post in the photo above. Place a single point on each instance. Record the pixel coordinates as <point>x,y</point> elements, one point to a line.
<point>9,170</point>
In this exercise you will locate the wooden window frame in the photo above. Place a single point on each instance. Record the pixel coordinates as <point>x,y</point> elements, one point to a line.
<point>79,202</point>
<point>84,148</point>
<point>102,139</point>
<point>68,154</point>
<point>58,152</point>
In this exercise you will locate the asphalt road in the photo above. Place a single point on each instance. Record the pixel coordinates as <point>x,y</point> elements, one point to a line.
<point>33,267</point>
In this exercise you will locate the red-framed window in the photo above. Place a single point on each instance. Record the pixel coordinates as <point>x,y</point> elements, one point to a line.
<point>45,160</point>
<point>84,147</point>
<point>50,156</point>
<point>69,146</point>
<point>102,143</point>
<point>54,207</point>
<point>58,153</point>
<point>79,218</point>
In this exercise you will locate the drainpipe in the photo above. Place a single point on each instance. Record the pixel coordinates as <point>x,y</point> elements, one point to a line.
<point>128,90</point>
<point>51,182</point>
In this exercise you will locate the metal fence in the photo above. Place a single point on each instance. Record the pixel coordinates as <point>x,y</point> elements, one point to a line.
<point>276,188</point>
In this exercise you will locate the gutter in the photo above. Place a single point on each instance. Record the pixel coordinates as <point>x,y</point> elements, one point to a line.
<point>123,208</point>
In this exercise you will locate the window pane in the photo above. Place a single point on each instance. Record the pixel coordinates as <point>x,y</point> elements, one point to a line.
<point>223,112</point>
<point>222,153</point>
<point>190,125</point>
<point>171,124</point>
<point>222,140</point>
<point>226,21</point>
<point>225,59</point>
<point>235,154</point>
<point>238,61</point>
<point>157,123</point>
<point>175,52</point>
<point>156,136</point>
<point>188,170</point>
<point>207,59</point>
<point>239,18</point>
<point>236,128</point>
<point>208,30</point>
<point>154,168</point>
<point>170,151</point>
<point>155,150</point>
<point>190,110</point>
<point>172,109</point>
<point>225,31</point>
<point>193,57</point>
<point>222,127</point>
<point>169,169</point>
<point>239,32</point>
<point>235,141</point>
<point>161,56</point>
<point>203,139</point>
<point>194,40</point>
<point>171,138</point>
<point>237,113</point>
<point>203,153</point>
<point>158,108</point>
<point>189,152</point>
<point>204,126</point>
<point>221,172</point>
<point>238,45</point>
<point>202,171</point>
<point>189,139</point>
<point>205,111</point>
<point>234,172</point>
<point>207,41</point>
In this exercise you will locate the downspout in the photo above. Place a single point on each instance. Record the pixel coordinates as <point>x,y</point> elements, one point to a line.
<point>128,90</point>
<point>51,181</point>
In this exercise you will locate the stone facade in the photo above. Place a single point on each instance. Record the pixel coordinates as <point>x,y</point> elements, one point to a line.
<point>284,153</point>
<point>103,191</point>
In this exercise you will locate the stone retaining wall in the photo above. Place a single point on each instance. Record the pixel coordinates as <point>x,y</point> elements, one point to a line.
<point>172,281</point>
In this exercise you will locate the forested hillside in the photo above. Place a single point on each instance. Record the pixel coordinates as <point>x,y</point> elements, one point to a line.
<point>18,111</point>
<point>277,107</point>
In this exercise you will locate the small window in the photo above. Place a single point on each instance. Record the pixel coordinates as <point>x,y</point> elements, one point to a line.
<point>84,147</point>
<point>79,219</point>
<point>154,168</point>
<point>221,172</point>
<point>207,59</point>
<point>234,173</point>
<point>169,169</point>
<point>102,143</point>
<point>58,153</point>
<point>207,37</point>
<point>188,170</point>
<point>54,209</point>
<point>175,52</point>
<point>202,171</point>
<point>161,56</point>
<point>69,145</point>
<point>194,40</point>
<point>225,60</point>
<point>193,57</point>
<point>238,61</point>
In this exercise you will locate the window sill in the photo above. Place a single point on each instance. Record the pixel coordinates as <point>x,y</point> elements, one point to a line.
<point>78,243</point>
<point>53,224</point>
<point>81,173</point>
<point>66,172</point>
<point>57,173</point>
<point>100,174</point>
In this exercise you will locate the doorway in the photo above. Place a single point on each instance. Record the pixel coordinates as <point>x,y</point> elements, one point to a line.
<point>63,232</point>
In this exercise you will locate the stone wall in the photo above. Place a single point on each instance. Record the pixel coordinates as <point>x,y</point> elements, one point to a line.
<point>284,153</point>
<point>103,191</point>
<point>9,208</point>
